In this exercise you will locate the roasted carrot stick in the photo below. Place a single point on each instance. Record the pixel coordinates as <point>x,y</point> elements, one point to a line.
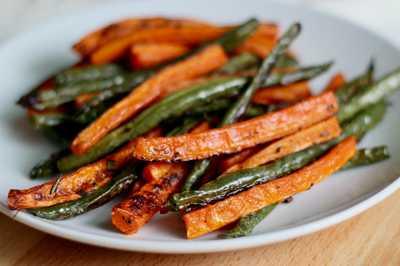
<point>239,136</point>
<point>71,186</point>
<point>318,133</point>
<point>136,210</point>
<point>152,54</point>
<point>258,45</point>
<point>163,179</point>
<point>219,214</point>
<point>184,35</point>
<point>92,41</point>
<point>283,94</point>
<point>197,65</point>
<point>335,83</point>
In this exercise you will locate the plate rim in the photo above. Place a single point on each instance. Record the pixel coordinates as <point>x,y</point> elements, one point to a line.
<point>202,246</point>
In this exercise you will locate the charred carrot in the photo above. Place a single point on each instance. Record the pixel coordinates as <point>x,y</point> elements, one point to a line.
<point>303,139</point>
<point>258,45</point>
<point>283,94</point>
<point>153,54</point>
<point>136,210</point>
<point>337,81</point>
<point>202,63</point>
<point>215,216</point>
<point>239,136</point>
<point>163,179</point>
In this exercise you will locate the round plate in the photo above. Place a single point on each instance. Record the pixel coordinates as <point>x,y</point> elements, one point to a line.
<point>34,55</point>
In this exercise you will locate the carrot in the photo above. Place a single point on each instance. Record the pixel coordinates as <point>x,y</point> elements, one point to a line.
<point>71,186</point>
<point>187,36</point>
<point>283,94</point>
<point>259,45</point>
<point>318,133</point>
<point>136,210</point>
<point>219,214</point>
<point>152,54</point>
<point>235,159</point>
<point>197,65</point>
<point>141,205</point>
<point>335,83</point>
<point>238,136</point>
<point>92,41</point>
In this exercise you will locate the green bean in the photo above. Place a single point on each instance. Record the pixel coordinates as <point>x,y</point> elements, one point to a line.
<point>304,73</point>
<point>48,167</point>
<point>238,63</point>
<point>232,183</point>
<point>373,94</point>
<point>171,106</point>
<point>47,119</point>
<point>101,102</point>
<point>268,64</point>
<point>232,39</point>
<point>92,200</point>
<point>247,223</point>
<point>286,60</point>
<point>349,89</point>
<point>87,73</point>
<point>368,156</point>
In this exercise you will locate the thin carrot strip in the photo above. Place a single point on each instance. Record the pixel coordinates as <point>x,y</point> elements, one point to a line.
<point>238,136</point>
<point>219,214</point>
<point>197,65</point>
<point>152,54</point>
<point>318,133</point>
<point>335,83</point>
<point>283,94</point>
<point>71,186</point>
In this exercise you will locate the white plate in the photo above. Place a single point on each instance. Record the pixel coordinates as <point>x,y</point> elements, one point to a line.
<point>34,55</point>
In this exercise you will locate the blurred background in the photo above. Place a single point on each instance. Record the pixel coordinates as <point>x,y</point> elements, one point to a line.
<point>382,16</point>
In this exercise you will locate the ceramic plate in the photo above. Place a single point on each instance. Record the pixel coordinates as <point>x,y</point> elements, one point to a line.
<point>34,55</point>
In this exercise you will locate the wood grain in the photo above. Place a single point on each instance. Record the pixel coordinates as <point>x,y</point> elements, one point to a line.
<point>369,239</point>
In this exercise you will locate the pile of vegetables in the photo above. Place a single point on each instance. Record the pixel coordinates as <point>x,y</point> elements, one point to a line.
<point>215,123</point>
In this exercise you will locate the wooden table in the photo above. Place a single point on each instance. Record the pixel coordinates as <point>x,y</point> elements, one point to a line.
<point>371,238</point>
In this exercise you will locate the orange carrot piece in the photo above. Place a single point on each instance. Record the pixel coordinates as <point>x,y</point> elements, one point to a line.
<point>136,210</point>
<point>335,83</point>
<point>259,45</point>
<point>318,133</point>
<point>235,159</point>
<point>238,136</point>
<point>197,65</point>
<point>187,36</point>
<point>152,54</point>
<point>141,205</point>
<point>283,94</point>
<point>219,214</point>
<point>92,41</point>
<point>71,186</point>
